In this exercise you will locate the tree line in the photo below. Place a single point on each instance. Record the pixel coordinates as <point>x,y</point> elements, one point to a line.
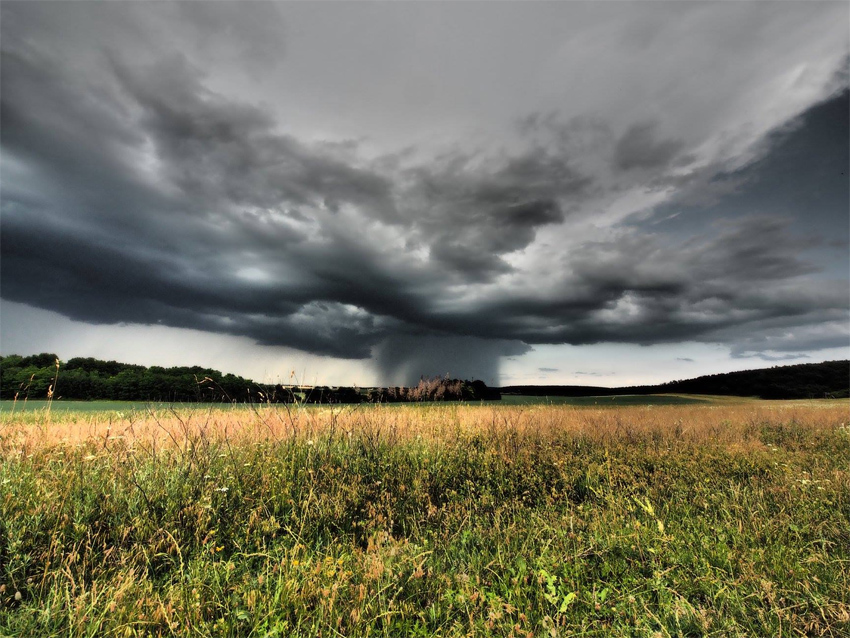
<point>801,381</point>
<point>36,376</point>
<point>43,376</point>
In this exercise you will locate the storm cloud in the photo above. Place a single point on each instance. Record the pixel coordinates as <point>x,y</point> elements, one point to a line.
<point>639,148</point>
<point>144,182</point>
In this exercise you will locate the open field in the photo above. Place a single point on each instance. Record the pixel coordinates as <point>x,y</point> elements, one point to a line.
<point>8,407</point>
<point>40,405</point>
<point>612,401</point>
<point>718,519</point>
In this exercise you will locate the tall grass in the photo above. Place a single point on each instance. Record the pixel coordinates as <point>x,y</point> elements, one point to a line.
<point>421,521</point>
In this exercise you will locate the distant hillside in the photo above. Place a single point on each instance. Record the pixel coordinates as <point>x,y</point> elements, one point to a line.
<point>802,381</point>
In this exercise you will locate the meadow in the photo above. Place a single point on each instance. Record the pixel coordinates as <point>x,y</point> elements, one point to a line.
<point>718,518</point>
<point>9,407</point>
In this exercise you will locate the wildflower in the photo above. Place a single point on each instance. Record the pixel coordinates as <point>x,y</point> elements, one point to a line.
<point>222,489</point>
<point>18,596</point>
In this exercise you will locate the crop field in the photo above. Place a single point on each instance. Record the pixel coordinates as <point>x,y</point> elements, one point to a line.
<point>702,519</point>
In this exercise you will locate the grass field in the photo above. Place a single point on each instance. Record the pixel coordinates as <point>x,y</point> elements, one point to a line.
<point>716,519</point>
<point>615,401</point>
<point>9,407</point>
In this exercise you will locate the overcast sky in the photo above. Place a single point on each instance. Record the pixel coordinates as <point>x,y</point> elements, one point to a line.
<point>366,192</point>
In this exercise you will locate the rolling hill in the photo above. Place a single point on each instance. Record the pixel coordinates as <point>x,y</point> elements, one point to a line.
<point>802,381</point>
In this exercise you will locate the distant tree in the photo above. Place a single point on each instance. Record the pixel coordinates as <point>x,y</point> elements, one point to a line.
<point>88,378</point>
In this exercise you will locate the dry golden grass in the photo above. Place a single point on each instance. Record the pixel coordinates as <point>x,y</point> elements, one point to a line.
<point>732,424</point>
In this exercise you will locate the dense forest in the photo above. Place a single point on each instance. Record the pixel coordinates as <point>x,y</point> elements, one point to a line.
<point>43,376</point>
<point>802,381</point>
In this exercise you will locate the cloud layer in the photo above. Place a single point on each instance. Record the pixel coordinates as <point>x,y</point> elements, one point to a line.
<point>143,182</point>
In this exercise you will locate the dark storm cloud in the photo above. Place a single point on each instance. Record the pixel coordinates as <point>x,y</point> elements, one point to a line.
<point>640,289</point>
<point>640,147</point>
<point>471,212</point>
<point>222,151</point>
<point>135,192</point>
<point>761,247</point>
<point>91,281</point>
<point>118,248</point>
<point>470,239</point>
<point>789,336</point>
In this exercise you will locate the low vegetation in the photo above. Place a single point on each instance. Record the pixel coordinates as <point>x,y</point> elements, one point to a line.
<point>452,520</point>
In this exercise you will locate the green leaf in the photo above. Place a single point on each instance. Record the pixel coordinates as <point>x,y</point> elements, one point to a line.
<point>568,600</point>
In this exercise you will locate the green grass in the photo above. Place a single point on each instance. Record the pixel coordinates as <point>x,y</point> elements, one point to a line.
<point>500,532</point>
<point>7,406</point>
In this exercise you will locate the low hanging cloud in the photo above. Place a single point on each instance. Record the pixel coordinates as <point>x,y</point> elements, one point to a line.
<point>138,189</point>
